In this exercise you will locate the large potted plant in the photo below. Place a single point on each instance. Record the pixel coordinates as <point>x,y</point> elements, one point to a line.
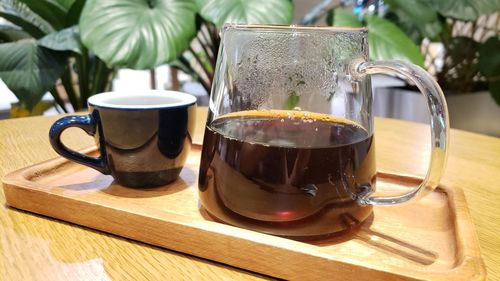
<point>89,39</point>
<point>41,47</point>
<point>460,42</point>
<point>142,34</point>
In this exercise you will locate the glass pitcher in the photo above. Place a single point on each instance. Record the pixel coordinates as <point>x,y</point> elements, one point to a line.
<point>288,147</point>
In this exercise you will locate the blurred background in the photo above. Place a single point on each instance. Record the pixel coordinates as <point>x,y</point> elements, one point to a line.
<point>54,54</point>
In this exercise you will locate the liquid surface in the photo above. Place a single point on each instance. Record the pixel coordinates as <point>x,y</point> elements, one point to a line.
<point>286,173</point>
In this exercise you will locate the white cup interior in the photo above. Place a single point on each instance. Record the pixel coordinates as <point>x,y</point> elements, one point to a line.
<point>149,99</point>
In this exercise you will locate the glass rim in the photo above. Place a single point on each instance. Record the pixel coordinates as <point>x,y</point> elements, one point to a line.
<point>294,27</point>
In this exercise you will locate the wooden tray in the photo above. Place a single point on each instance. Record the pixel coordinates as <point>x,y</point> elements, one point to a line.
<point>432,239</point>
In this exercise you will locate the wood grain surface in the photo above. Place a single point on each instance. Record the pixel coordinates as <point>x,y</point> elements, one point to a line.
<point>430,239</point>
<point>39,248</point>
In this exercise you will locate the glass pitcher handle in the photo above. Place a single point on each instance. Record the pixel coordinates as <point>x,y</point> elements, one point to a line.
<point>438,110</point>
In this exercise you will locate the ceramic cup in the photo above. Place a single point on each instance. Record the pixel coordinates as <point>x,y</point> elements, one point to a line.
<point>143,137</point>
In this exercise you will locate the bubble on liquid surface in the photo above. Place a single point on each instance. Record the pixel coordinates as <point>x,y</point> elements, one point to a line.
<point>281,143</point>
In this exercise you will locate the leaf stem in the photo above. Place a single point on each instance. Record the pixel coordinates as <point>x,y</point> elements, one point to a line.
<point>205,31</point>
<point>99,76</point>
<point>214,37</point>
<point>207,73</point>
<point>185,62</point>
<point>68,86</point>
<point>174,78</point>
<point>83,72</point>
<point>57,98</point>
<point>152,78</point>
<point>204,44</point>
<point>207,54</point>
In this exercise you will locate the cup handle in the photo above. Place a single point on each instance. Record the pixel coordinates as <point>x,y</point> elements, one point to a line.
<point>438,110</point>
<point>86,123</point>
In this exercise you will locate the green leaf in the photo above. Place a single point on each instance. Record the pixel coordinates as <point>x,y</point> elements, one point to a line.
<point>73,14</point>
<point>387,41</point>
<point>466,9</point>
<point>416,30</point>
<point>21,15</point>
<point>460,65</point>
<point>64,40</point>
<point>461,52</point>
<point>29,70</point>
<point>51,12</point>
<point>184,67</point>
<point>343,17</point>
<point>131,33</point>
<point>65,5</point>
<point>494,87</point>
<point>416,9</point>
<point>292,101</point>
<point>416,17</point>
<point>489,57</point>
<point>489,65</point>
<point>202,56</point>
<point>238,11</point>
<point>10,34</point>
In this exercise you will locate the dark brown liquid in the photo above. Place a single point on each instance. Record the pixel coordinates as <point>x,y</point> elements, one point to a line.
<point>287,173</point>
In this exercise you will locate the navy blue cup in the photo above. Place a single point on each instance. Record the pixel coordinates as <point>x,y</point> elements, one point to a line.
<point>143,138</point>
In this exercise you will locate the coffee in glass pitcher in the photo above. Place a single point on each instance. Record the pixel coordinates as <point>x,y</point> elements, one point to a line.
<point>289,146</point>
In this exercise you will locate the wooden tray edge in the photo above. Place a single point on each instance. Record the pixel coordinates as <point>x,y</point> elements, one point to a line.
<point>177,224</point>
<point>17,182</point>
<point>466,235</point>
<point>470,259</point>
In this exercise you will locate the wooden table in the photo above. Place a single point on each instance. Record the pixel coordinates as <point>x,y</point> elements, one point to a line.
<point>39,248</point>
